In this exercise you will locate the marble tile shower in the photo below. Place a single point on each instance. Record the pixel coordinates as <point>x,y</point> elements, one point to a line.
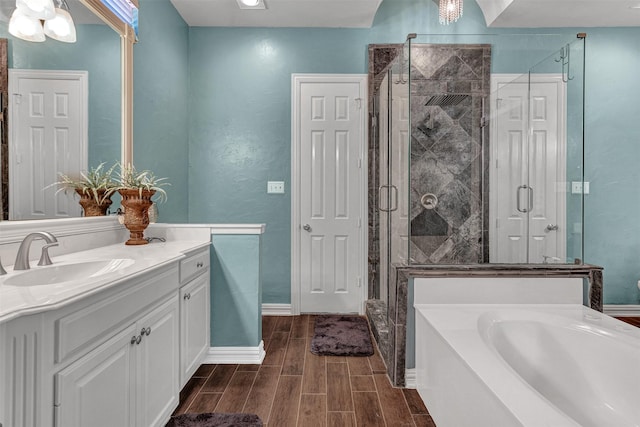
<point>448,177</point>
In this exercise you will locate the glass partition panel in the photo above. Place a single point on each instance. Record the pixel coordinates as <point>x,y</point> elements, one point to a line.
<point>494,150</point>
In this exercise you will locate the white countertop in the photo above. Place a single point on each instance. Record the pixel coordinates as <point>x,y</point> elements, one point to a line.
<point>17,301</point>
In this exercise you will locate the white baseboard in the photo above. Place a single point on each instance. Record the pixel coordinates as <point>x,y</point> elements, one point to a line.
<point>235,355</point>
<point>276,309</point>
<point>621,310</point>
<point>410,378</point>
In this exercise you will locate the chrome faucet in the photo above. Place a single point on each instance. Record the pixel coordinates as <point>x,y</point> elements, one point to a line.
<point>22,259</point>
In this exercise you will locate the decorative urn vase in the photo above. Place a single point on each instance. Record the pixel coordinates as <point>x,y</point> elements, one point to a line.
<point>136,204</point>
<point>91,206</point>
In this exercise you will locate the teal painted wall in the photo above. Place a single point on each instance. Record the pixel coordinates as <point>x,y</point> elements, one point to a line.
<point>236,312</point>
<point>161,82</point>
<point>96,51</point>
<point>612,151</point>
<point>240,123</point>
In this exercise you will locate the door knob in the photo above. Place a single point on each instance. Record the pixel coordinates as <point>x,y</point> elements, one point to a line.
<point>551,227</point>
<point>306,227</point>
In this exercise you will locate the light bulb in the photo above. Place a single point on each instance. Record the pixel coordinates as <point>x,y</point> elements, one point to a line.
<point>25,27</point>
<point>250,3</point>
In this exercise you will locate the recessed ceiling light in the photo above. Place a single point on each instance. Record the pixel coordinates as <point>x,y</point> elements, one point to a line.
<point>251,4</point>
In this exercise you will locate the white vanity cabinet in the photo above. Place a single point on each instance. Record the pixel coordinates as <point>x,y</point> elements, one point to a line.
<point>116,357</point>
<point>194,313</point>
<point>131,380</point>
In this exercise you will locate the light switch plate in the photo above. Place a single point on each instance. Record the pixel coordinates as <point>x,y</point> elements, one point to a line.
<point>275,187</point>
<point>577,187</point>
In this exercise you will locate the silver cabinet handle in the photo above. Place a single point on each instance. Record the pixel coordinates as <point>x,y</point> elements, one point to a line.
<point>551,227</point>
<point>145,331</point>
<point>136,340</point>
<point>187,296</point>
<point>200,264</point>
<point>306,227</point>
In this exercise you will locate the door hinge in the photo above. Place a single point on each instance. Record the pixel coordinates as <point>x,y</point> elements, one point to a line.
<point>359,222</point>
<point>17,98</point>
<point>359,163</point>
<point>359,103</point>
<point>483,121</point>
<point>359,281</point>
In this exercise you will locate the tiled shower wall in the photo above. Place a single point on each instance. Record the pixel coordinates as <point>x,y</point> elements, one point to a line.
<point>449,179</point>
<point>448,175</point>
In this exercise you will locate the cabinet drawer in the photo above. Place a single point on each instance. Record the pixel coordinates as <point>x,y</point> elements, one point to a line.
<point>86,327</point>
<point>193,265</point>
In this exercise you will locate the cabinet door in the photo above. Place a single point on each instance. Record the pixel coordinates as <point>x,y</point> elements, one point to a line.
<point>158,365</point>
<point>97,389</point>
<point>194,326</point>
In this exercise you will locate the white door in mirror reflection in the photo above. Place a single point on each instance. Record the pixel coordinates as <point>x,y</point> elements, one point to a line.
<point>48,115</point>
<point>331,141</point>
<point>528,169</point>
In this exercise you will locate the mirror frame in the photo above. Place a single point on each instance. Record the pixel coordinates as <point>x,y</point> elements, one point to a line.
<point>127,40</point>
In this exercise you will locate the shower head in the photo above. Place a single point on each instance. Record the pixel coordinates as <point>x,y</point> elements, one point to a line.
<point>445,100</point>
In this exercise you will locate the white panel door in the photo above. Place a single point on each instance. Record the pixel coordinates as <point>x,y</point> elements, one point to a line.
<point>528,181</point>
<point>47,135</point>
<point>330,172</point>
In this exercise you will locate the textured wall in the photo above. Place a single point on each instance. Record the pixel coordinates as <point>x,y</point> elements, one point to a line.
<point>236,311</point>
<point>161,103</point>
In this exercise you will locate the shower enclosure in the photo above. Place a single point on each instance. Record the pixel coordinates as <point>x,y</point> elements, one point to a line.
<point>476,152</point>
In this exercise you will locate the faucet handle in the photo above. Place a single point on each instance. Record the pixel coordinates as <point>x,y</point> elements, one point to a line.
<point>2,273</point>
<point>44,257</point>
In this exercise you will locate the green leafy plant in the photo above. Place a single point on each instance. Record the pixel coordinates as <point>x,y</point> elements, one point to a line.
<point>128,178</point>
<point>96,182</point>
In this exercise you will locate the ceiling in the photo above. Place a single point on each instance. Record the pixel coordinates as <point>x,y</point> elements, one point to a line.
<point>360,13</point>
<point>561,13</point>
<point>280,13</point>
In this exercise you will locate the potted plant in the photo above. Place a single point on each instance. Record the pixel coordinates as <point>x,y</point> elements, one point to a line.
<point>94,187</point>
<point>137,189</point>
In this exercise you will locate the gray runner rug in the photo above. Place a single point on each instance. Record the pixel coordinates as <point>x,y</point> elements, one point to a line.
<point>340,335</point>
<point>215,420</point>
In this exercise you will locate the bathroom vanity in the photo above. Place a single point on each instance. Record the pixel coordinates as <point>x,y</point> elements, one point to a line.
<point>112,349</point>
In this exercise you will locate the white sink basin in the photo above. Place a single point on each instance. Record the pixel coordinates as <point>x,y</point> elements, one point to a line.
<point>67,272</point>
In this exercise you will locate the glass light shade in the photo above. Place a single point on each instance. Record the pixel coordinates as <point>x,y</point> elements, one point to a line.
<point>250,3</point>
<point>450,11</point>
<point>25,27</point>
<point>40,9</point>
<point>61,27</point>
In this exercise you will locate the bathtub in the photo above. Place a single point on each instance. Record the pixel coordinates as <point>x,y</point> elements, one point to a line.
<point>532,365</point>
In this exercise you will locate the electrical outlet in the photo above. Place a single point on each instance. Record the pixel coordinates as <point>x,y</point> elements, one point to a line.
<point>275,187</point>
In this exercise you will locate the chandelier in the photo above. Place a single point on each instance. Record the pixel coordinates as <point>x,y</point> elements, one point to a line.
<point>449,11</point>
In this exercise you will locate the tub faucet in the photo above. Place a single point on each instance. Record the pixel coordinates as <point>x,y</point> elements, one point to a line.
<point>22,259</point>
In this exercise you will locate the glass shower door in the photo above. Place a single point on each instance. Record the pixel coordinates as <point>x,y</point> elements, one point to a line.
<point>393,128</point>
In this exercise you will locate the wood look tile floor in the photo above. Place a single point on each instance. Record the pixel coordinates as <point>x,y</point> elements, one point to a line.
<point>294,387</point>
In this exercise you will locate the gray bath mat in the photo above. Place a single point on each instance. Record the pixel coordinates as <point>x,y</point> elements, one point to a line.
<point>339,335</point>
<point>215,420</point>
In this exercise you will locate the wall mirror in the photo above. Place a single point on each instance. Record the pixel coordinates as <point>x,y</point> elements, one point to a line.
<point>103,51</point>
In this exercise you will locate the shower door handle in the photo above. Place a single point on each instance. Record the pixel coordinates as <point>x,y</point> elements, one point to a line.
<point>518,201</point>
<point>395,198</point>
<point>529,199</point>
